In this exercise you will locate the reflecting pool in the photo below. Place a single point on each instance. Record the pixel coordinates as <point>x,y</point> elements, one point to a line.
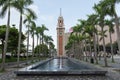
<point>61,66</point>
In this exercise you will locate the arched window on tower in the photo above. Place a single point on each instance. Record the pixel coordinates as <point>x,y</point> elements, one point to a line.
<point>60,23</point>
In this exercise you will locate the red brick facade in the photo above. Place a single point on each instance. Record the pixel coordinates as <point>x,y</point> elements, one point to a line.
<point>60,45</point>
<point>60,37</point>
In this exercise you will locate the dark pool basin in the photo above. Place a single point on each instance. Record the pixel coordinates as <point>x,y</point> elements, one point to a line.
<point>61,66</point>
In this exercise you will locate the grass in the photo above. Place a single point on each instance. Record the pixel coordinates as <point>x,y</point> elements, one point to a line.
<point>2,70</point>
<point>12,59</point>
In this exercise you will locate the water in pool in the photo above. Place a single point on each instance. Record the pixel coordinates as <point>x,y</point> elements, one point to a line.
<point>59,64</point>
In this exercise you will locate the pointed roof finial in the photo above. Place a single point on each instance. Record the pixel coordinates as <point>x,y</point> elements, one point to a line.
<point>60,12</point>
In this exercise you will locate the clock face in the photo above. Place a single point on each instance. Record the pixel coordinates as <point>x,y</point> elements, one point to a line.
<point>60,33</point>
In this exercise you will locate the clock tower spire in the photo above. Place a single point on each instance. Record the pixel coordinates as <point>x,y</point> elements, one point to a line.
<point>60,36</point>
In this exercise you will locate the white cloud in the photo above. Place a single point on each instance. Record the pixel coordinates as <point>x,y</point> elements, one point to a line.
<point>47,18</point>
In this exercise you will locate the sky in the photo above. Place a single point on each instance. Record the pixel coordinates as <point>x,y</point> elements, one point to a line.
<point>48,12</point>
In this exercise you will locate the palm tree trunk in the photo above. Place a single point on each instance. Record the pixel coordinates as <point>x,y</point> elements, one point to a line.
<point>80,52</point>
<point>6,41</point>
<point>39,45</point>
<point>42,44</point>
<point>40,49</point>
<point>2,46</point>
<point>19,41</point>
<point>86,51</point>
<point>74,50</point>
<point>98,47</point>
<point>33,48</point>
<point>37,48</point>
<point>90,54</point>
<point>105,58</point>
<point>28,43</point>
<point>95,48</point>
<point>111,47</point>
<point>118,32</point>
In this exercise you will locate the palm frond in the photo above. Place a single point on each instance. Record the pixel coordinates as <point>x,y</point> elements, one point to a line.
<point>31,13</point>
<point>100,38</point>
<point>4,10</point>
<point>25,21</point>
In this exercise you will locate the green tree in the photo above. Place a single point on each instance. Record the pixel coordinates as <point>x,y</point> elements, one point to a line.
<point>28,21</point>
<point>43,29</point>
<point>22,8</point>
<point>43,53</point>
<point>83,24</point>
<point>51,48</point>
<point>92,20</point>
<point>72,42</point>
<point>110,6</point>
<point>2,37</point>
<point>74,36</point>
<point>101,12</point>
<point>110,24</point>
<point>6,4</point>
<point>32,32</point>
<point>13,38</point>
<point>88,30</point>
<point>38,33</point>
<point>48,40</point>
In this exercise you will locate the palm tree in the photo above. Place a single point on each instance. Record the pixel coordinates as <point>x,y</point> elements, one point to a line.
<point>72,40</point>
<point>22,7</point>
<point>88,30</point>
<point>111,30</point>
<point>98,49</point>
<point>75,34</point>
<point>51,48</point>
<point>27,21</point>
<point>48,39</point>
<point>37,34</point>
<point>110,6</point>
<point>32,32</point>
<point>92,20</point>
<point>83,24</point>
<point>80,40</point>
<point>6,4</point>
<point>43,28</point>
<point>69,47</point>
<point>99,10</point>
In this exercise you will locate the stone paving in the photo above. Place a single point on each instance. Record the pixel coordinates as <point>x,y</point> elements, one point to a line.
<point>9,75</point>
<point>114,65</point>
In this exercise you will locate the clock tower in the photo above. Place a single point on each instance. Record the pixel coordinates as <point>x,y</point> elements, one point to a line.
<point>60,36</point>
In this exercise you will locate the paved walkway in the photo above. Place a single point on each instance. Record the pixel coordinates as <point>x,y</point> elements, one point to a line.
<point>113,68</point>
<point>111,65</point>
<point>9,75</point>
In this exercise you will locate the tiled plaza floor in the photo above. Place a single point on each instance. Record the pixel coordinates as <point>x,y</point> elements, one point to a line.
<point>9,75</point>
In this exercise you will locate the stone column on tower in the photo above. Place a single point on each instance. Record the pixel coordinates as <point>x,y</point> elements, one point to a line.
<point>60,36</point>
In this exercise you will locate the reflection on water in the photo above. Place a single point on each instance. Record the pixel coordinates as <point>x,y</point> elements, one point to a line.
<point>60,64</point>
